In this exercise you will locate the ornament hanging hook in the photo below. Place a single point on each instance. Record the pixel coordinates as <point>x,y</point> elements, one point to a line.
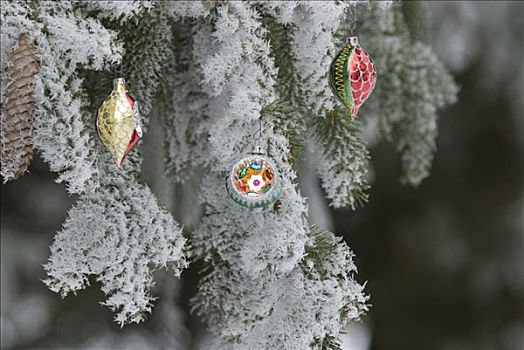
<point>352,40</point>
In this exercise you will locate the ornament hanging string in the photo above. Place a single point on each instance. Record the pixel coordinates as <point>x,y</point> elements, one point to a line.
<point>119,71</point>
<point>257,135</point>
<point>353,19</point>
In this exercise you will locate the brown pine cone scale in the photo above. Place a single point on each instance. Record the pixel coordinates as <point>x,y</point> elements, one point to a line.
<point>19,111</point>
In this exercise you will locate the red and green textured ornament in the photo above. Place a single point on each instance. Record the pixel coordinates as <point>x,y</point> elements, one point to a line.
<point>253,181</point>
<point>352,76</point>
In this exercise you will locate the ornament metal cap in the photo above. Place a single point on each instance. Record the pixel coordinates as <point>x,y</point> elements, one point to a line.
<point>352,40</point>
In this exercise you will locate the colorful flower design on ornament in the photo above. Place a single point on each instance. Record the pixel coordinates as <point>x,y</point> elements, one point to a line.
<point>253,182</point>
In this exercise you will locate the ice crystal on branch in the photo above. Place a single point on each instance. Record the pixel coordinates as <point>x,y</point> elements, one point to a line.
<point>121,11</point>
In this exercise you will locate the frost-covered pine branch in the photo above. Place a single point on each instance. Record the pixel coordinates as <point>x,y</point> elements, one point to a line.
<point>120,235</point>
<point>303,61</point>
<point>258,292</point>
<point>185,104</point>
<point>313,47</point>
<point>288,112</point>
<point>412,87</point>
<point>212,73</point>
<point>343,163</point>
<point>278,313</point>
<point>65,41</point>
<point>239,96</point>
<point>116,232</point>
<point>149,43</point>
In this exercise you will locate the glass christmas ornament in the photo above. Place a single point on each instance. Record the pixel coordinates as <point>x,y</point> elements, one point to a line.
<point>118,122</point>
<point>254,182</point>
<point>352,76</point>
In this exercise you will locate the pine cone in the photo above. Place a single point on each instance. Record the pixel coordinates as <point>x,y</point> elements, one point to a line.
<point>211,4</point>
<point>19,110</point>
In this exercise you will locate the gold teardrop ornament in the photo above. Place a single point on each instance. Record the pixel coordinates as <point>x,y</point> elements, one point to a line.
<point>118,122</point>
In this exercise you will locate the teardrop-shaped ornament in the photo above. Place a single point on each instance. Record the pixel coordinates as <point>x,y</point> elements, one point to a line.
<point>352,76</point>
<point>118,122</point>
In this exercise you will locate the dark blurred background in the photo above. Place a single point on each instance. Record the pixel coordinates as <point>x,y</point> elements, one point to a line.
<point>444,262</point>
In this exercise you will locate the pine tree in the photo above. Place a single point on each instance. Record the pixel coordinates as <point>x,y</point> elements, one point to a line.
<point>222,77</point>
